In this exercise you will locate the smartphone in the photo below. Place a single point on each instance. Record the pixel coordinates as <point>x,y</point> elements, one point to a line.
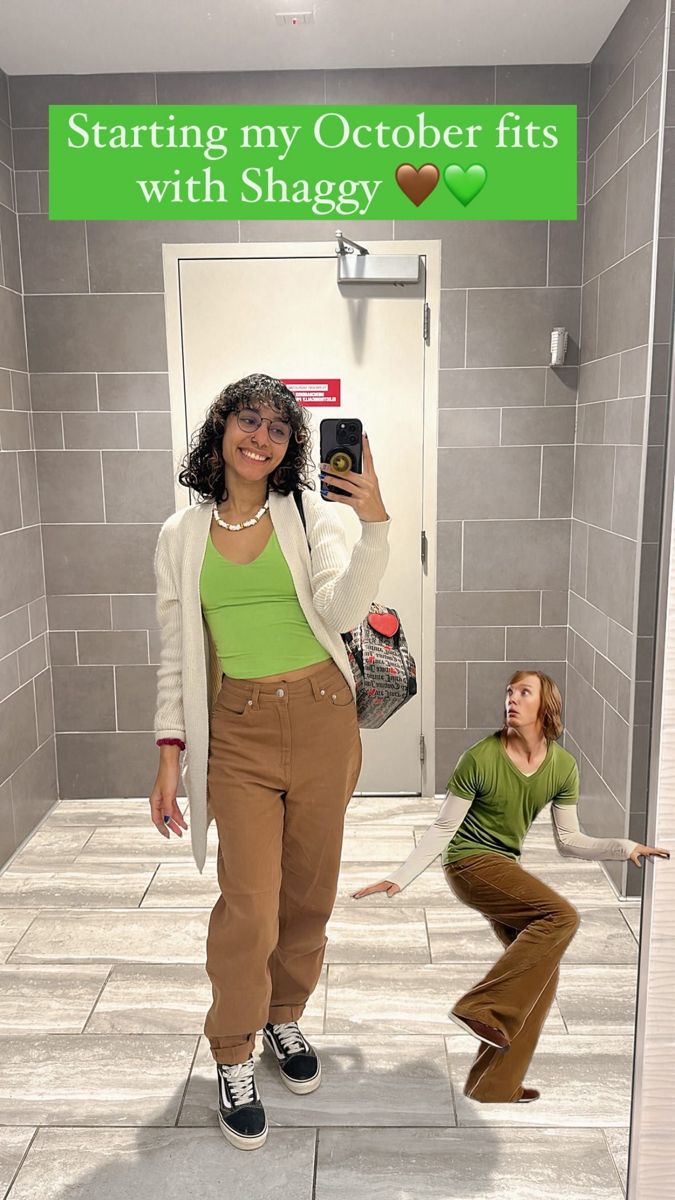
<point>340,444</point>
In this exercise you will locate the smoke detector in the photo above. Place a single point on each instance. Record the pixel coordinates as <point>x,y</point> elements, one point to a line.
<point>294,18</point>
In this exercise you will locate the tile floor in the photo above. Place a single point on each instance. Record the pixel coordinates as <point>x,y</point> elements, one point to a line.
<point>107,1086</point>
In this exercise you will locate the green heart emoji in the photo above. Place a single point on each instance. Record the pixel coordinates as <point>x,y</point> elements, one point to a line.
<point>464,183</point>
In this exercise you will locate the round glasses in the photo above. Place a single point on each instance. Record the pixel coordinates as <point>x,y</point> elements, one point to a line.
<point>249,420</point>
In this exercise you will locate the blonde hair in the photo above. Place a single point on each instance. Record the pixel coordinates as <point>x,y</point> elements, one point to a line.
<point>550,711</point>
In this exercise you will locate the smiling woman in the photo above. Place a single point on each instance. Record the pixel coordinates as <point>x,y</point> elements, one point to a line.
<point>255,681</point>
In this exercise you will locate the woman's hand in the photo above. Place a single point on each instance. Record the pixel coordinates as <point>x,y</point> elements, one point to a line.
<point>647,851</point>
<point>385,885</point>
<point>364,490</point>
<point>163,800</point>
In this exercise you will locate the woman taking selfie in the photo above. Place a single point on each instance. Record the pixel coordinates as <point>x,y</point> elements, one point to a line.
<point>255,684</point>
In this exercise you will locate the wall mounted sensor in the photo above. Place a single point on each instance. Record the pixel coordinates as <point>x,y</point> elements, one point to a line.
<point>558,346</point>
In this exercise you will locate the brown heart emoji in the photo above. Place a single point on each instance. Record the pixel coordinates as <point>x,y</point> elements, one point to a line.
<point>417,184</point>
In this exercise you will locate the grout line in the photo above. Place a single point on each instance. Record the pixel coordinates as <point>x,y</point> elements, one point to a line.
<point>426,927</point>
<point>548,252</point>
<point>325,999</point>
<point>446,1050</point>
<point>86,255</point>
<point>613,1160</point>
<point>100,993</point>
<point>24,1156</point>
<point>152,879</point>
<point>187,1082</point>
<point>466,323</point>
<point>315,1164</point>
<point>611,514</point>
<point>628,926</point>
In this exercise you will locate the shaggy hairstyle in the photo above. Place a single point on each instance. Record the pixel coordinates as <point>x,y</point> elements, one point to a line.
<point>550,711</point>
<point>203,468</point>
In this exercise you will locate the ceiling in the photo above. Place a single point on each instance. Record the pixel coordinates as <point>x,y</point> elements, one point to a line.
<point>57,37</point>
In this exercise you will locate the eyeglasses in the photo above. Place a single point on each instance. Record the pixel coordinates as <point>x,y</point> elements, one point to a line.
<point>249,420</point>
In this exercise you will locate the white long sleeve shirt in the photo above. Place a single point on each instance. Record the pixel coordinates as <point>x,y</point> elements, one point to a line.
<point>569,839</point>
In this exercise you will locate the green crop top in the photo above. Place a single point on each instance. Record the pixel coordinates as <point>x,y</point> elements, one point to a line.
<point>254,615</point>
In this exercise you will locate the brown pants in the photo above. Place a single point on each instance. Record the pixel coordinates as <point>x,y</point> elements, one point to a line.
<point>536,926</point>
<point>284,759</point>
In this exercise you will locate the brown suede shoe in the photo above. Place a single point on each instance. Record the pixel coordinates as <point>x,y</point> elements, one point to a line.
<point>478,1029</point>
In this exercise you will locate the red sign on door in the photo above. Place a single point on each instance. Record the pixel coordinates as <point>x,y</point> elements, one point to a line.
<point>315,393</point>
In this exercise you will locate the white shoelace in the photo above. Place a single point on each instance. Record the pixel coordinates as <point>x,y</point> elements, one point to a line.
<point>290,1037</point>
<point>240,1081</point>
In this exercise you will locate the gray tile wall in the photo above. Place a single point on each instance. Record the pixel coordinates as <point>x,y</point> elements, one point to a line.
<point>94,316</point>
<point>658,416</point>
<point>620,436</point>
<point>27,753</point>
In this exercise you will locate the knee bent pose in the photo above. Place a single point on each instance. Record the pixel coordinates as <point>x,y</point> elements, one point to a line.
<point>496,790</point>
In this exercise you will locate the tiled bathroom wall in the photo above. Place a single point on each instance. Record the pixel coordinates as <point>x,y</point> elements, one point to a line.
<point>27,756</point>
<point>506,446</point>
<point>618,469</point>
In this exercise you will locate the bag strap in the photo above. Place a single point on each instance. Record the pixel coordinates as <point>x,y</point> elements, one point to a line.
<point>346,637</point>
<point>297,496</point>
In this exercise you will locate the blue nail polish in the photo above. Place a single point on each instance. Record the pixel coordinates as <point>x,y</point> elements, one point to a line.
<point>166,818</point>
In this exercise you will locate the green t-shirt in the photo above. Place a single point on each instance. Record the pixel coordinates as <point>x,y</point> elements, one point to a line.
<point>504,801</point>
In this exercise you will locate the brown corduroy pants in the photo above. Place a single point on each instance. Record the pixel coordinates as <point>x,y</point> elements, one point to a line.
<point>536,926</point>
<point>284,759</point>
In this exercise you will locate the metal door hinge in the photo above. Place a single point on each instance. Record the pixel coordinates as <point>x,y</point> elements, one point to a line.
<point>423,749</point>
<point>424,548</point>
<point>426,324</point>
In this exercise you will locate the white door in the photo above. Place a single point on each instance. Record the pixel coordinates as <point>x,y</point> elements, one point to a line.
<point>288,317</point>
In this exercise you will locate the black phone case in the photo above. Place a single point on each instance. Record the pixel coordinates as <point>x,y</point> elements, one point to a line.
<point>330,443</point>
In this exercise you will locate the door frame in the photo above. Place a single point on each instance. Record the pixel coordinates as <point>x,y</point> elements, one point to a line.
<point>431,250</point>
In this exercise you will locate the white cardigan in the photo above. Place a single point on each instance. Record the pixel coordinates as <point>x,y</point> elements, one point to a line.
<point>335,591</point>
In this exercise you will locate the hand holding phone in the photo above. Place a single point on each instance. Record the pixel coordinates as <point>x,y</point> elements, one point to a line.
<point>340,443</point>
<point>362,490</point>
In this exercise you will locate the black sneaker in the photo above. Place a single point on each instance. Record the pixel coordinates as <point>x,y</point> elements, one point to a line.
<point>298,1061</point>
<point>240,1112</point>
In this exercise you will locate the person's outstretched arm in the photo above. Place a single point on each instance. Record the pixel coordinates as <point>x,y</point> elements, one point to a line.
<point>575,844</point>
<point>569,838</point>
<point>571,841</point>
<point>433,842</point>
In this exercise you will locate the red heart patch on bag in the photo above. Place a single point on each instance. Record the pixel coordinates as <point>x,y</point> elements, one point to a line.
<point>384,623</point>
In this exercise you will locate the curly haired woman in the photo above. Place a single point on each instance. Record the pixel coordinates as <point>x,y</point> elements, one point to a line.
<point>255,685</point>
